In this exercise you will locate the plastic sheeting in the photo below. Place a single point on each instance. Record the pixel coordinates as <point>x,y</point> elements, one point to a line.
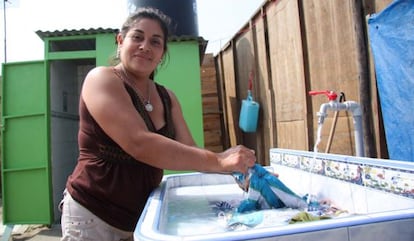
<point>391,34</point>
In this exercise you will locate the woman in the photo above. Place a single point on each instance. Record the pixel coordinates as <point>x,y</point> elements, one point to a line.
<point>130,130</point>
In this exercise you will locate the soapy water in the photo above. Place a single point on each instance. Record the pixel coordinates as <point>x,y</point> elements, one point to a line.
<point>201,210</point>
<point>193,210</point>
<point>210,209</point>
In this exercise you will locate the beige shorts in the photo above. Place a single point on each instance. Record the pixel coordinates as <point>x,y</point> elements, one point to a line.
<point>78,224</point>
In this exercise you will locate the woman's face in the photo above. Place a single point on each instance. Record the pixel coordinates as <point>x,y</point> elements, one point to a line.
<point>142,48</point>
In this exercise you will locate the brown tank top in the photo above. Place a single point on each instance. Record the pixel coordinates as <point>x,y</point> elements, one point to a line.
<point>106,180</point>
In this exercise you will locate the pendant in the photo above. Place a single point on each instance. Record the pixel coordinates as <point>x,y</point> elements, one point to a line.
<point>149,107</point>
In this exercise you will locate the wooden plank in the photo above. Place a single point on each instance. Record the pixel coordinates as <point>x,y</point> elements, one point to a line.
<point>222,100</point>
<point>263,85</point>
<point>211,122</point>
<point>263,76</point>
<point>375,6</point>
<point>231,95</point>
<point>343,139</point>
<point>210,105</point>
<point>246,67</point>
<point>211,111</point>
<point>211,138</point>
<point>331,50</point>
<point>286,61</point>
<point>209,89</point>
<point>289,129</point>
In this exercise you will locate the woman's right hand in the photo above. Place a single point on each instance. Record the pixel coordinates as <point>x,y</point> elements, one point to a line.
<point>237,159</point>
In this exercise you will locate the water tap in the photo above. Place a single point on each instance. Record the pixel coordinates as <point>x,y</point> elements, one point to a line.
<point>332,97</point>
<point>335,105</point>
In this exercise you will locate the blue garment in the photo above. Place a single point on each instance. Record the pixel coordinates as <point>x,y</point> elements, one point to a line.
<point>266,191</point>
<point>248,219</point>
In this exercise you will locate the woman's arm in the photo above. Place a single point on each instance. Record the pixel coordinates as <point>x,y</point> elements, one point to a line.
<point>109,103</point>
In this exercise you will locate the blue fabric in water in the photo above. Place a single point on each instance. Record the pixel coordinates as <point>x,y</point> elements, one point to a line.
<point>391,34</point>
<point>248,219</point>
<point>267,191</point>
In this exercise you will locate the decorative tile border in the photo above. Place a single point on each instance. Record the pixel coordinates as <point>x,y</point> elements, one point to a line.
<point>379,174</point>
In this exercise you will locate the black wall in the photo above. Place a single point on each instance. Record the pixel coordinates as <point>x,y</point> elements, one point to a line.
<point>183,14</point>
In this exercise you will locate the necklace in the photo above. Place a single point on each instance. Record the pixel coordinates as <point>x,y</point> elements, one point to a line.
<point>147,102</point>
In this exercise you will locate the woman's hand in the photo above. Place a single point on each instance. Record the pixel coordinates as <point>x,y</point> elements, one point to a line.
<point>237,159</point>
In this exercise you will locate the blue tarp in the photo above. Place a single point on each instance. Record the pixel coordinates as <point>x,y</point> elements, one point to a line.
<point>391,34</point>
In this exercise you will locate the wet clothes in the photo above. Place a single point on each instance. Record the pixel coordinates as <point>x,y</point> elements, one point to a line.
<point>266,191</point>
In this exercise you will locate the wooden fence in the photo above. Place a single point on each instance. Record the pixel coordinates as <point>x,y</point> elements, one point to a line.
<point>212,123</point>
<point>292,47</point>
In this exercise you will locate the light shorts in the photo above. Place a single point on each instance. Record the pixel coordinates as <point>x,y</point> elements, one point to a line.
<point>78,224</point>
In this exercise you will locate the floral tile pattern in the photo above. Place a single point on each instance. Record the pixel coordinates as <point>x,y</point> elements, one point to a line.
<point>291,160</point>
<point>390,178</point>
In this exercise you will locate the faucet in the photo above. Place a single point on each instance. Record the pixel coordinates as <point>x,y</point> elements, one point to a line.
<point>351,106</point>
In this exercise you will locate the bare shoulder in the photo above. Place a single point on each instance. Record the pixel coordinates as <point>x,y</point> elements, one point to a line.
<point>100,73</point>
<point>101,69</point>
<point>101,76</point>
<point>101,85</point>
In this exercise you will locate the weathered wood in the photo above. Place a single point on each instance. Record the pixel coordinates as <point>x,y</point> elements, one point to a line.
<point>291,134</point>
<point>331,53</point>
<point>287,71</point>
<point>246,68</point>
<point>296,46</point>
<point>363,80</point>
<point>231,101</point>
<point>222,100</point>
<point>211,111</point>
<point>263,76</point>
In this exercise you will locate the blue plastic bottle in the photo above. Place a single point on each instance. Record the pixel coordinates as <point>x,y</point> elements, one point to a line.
<point>249,114</point>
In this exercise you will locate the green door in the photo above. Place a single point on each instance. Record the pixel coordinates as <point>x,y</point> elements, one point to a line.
<point>26,177</point>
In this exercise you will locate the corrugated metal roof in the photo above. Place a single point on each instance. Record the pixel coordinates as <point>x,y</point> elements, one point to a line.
<point>74,32</point>
<point>92,31</point>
